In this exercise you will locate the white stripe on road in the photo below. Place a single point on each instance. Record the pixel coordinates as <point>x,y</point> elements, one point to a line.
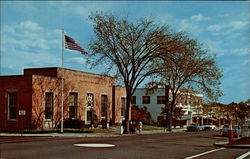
<point>244,155</point>
<point>204,153</point>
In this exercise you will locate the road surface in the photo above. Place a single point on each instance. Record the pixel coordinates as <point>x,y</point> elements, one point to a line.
<point>182,145</point>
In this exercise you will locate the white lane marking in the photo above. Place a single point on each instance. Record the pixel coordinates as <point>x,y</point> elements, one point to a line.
<point>244,155</point>
<point>204,153</point>
<point>95,145</point>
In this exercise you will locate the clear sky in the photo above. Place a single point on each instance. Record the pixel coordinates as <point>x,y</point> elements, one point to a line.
<point>31,34</point>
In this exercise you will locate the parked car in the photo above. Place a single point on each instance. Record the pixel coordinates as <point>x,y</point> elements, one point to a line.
<point>209,127</point>
<point>195,127</point>
<point>225,128</point>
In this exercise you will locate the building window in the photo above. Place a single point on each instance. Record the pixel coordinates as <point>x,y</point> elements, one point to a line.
<point>191,100</point>
<point>123,104</point>
<point>160,99</point>
<point>183,100</point>
<point>104,105</point>
<point>12,105</point>
<point>178,100</point>
<point>145,99</point>
<point>196,101</point>
<point>49,105</point>
<point>133,100</point>
<point>73,105</point>
<point>199,101</point>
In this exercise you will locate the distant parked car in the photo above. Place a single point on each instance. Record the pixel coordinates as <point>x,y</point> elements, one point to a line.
<point>209,127</point>
<point>195,127</point>
<point>225,128</point>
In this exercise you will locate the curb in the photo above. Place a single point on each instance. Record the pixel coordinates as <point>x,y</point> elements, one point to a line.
<point>225,144</point>
<point>59,135</point>
<point>84,135</point>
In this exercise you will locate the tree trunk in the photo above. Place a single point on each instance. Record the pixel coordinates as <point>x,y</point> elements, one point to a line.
<point>167,106</point>
<point>172,105</point>
<point>170,123</point>
<point>126,126</point>
<point>170,118</point>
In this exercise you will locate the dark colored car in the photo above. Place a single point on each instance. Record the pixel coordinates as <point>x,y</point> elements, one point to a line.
<point>225,128</point>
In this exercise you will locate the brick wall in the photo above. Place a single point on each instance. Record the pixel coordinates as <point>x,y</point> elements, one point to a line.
<point>83,83</point>
<point>40,86</point>
<point>33,86</point>
<point>119,92</point>
<point>22,86</point>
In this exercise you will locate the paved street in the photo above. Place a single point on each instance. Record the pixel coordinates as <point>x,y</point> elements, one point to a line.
<point>156,146</point>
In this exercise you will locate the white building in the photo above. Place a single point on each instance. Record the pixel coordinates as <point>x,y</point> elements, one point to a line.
<point>191,103</point>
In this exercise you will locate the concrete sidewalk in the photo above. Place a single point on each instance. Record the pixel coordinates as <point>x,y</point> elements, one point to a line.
<point>63,135</point>
<point>225,144</point>
<point>243,143</point>
<point>67,134</point>
<point>161,131</point>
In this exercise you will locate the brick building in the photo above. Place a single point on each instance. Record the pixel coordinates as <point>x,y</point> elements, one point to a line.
<point>34,100</point>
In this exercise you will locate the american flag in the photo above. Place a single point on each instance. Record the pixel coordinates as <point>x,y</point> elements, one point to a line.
<point>71,44</point>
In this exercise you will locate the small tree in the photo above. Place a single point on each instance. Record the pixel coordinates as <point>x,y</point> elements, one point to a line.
<point>248,108</point>
<point>188,66</point>
<point>136,114</point>
<point>240,111</point>
<point>176,114</point>
<point>141,114</point>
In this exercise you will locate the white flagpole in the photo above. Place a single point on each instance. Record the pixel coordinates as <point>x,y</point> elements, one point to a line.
<point>62,82</point>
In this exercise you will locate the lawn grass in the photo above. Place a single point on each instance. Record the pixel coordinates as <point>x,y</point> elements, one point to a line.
<point>149,127</point>
<point>98,130</point>
<point>66,130</point>
<point>55,130</point>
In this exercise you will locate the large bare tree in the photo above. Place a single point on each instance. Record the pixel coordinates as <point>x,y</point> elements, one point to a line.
<point>128,48</point>
<point>189,66</point>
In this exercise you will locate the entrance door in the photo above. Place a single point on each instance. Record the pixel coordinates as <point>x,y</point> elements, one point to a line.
<point>89,110</point>
<point>104,107</point>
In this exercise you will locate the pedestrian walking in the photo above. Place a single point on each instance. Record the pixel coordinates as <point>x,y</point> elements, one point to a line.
<point>140,128</point>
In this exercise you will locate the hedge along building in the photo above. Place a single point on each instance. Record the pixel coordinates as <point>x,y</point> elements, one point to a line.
<point>33,100</point>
